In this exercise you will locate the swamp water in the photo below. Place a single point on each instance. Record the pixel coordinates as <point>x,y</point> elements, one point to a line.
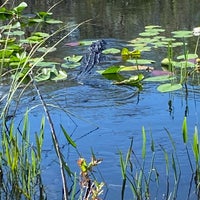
<point>104,117</point>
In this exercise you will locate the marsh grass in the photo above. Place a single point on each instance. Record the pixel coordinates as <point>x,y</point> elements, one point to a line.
<point>20,161</point>
<point>142,174</point>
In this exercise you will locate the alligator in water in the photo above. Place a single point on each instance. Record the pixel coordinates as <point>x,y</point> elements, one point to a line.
<point>92,57</point>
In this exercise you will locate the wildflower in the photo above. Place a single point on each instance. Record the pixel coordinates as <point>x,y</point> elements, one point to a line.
<point>196,31</point>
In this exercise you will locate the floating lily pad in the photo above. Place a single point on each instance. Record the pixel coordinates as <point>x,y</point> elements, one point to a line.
<point>152,26</point>
<point>148,33</point>
<point>188,56</point>
<point>168,87</point>
<point>86,42</point>
<point>134,68</point>
<point>110,70</point>
<point>46,64</point>
<point>111,51</point>
<point>182,34</point>
<point>60,76</point>
<point>141,61</point>
<point>184,64</point>
<point>51,74</point>
<point>74,58</point>
<point>41,34</point>
<point>46,49</point>
<point>70,65</point>
<point>133,80</point>
<point>53,21</point>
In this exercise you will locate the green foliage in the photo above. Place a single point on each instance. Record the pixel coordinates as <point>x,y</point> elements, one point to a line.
<point>18,47</point>
<point>20,161</point>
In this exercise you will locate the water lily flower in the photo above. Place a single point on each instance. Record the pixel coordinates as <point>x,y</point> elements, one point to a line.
<point>196,31</point>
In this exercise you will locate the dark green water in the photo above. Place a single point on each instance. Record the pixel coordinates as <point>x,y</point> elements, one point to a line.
<point>101,116</point>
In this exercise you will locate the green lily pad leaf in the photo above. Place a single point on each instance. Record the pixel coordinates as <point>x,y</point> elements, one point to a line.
<point>36,20</point>
<point>182,34</point>
<point>73,59</point>
<point>111,51</point>
<point>46,64</point>
<point>141,61</point>
<point>60,76</point>
<point>184,64</point>
<point>44,76</point>
<point>134,68</point>
<point>17,33</point>
<point>110,70</point>
<point>53,21</point>
<point>70,65</point>
<point>152,26</point>
<point>168,87</point>
<point>45,49</point>
<point>41,34</point>
<point>86,42</point>
<point>133,80</point>
<point>161,78</point>
<point>149,33</point>
<point>189,56</point>
<point>35,38</point>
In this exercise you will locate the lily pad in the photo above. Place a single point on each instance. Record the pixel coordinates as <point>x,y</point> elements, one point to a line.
<point>168,87</point>
<point>182,34</point>
<point>74,58</point>
<point>141,61</point>
<point>133,80</point>
<point>134,68</point>
<point>46,49</point>
<point>111,51</point>
<point>188,56</point>
<point>70,65</point>
<point>110,70</point>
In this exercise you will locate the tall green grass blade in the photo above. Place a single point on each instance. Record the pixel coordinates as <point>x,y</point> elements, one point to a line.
<point>196,145</point>
<point>69,139</point>
<point>144,143</point>
<point>123,171</point>
<point>184,130</point>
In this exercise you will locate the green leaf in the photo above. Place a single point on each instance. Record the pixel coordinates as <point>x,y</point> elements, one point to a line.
<point>188,56</point>
<point>46,64</point>
<point>144,143</point>
<point>141,61</point>
<point>46,49</point>
<point>4,53</point>
<point>133,80</point>
<point>182,34</point>
<point>70,65</point>
<point>60,76</point>
<point>196,145</point>
<point>69,139</point>
<point>20,7</point>
<point>74,58</point>
<point>53,21</point>
<point>110,70</point>
<point>41,34</point>
<point>111,51</point>
<point>184,130</point>
<point>168,87</point>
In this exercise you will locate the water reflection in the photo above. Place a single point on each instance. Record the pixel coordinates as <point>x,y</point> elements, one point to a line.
<point>123,19</point>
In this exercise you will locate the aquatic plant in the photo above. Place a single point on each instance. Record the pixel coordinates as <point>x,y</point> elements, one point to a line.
<point>20,161</point>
